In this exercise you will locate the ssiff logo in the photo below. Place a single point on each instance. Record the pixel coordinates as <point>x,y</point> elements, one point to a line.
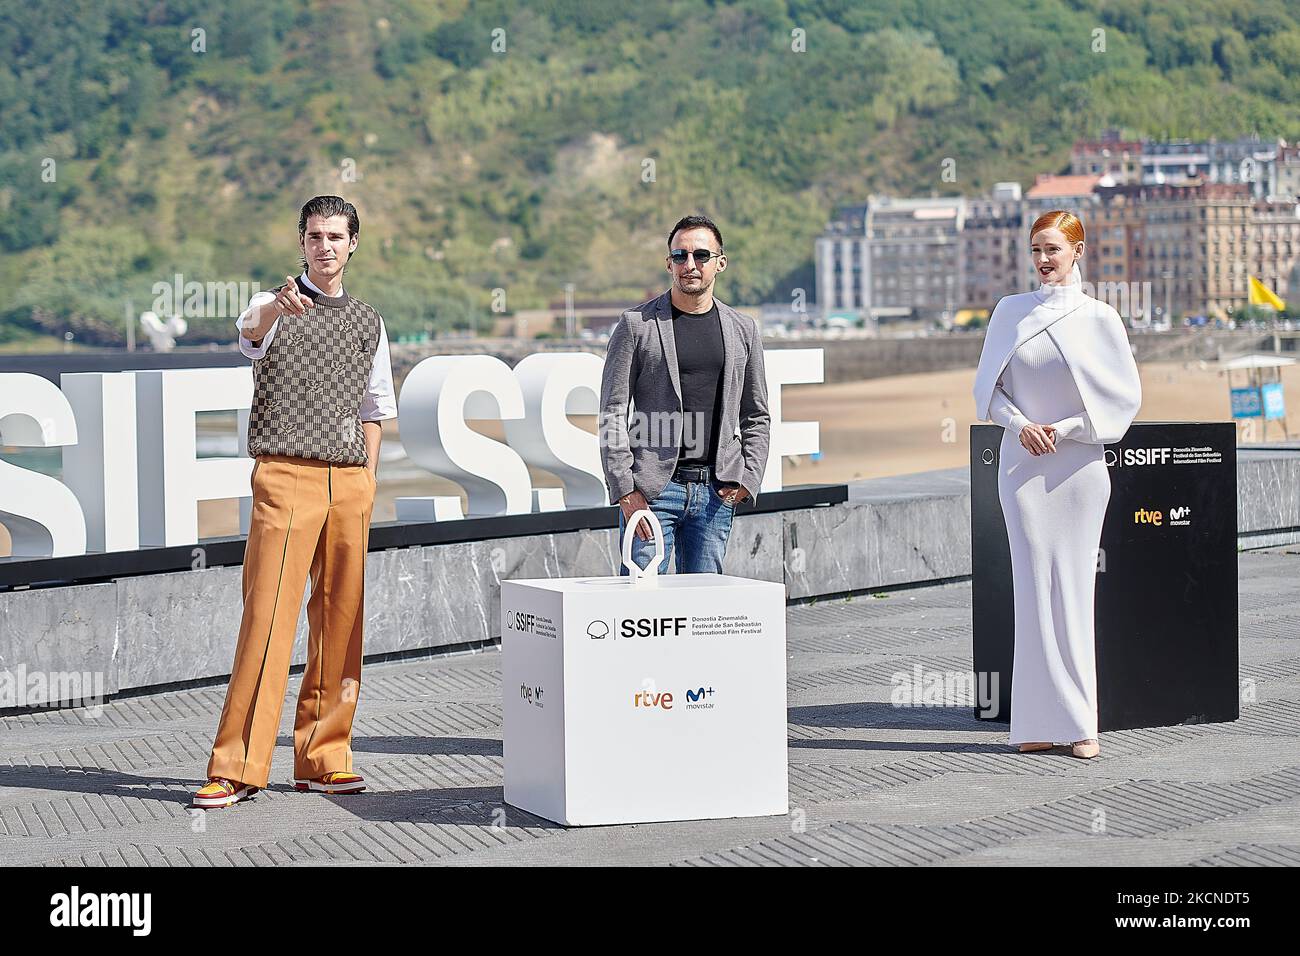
<point>1144,456</point>
<point>652,627</point>
<point>520,621</point>
<point>639,627</point>
<point>529,622</point>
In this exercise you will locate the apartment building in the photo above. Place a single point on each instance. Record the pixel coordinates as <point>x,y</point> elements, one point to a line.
<point>1160,249</point>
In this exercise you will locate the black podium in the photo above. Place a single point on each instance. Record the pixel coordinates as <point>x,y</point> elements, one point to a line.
<point>1166,610</point>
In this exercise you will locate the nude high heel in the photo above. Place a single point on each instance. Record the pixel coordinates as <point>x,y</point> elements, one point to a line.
<point>1031,747</point>
<point>1085,749</point>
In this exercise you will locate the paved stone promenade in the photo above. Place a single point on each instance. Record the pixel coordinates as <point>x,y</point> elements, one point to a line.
<point>872,784</point>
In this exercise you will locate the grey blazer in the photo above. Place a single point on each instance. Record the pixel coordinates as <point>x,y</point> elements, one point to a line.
<point>641,368</point>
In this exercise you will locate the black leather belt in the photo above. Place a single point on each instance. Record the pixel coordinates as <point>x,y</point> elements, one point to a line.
<point>691,473</point>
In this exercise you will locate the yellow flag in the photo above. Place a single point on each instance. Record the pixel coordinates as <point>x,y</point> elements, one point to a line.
<point>1261,294</point>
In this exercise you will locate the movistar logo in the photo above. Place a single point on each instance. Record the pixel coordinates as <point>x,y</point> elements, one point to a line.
<point>700,699</point>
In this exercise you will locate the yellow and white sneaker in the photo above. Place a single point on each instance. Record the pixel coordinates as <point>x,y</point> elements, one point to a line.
<point>220,792</point>
<point>336,781</point>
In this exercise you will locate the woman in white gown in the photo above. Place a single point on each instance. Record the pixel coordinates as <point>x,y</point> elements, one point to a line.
<point>1057,373</point>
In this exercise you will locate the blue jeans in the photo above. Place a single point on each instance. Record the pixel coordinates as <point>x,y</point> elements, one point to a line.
<point>695,520</point>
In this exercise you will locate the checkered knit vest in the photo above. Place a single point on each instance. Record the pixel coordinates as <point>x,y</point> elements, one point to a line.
<point>308,387</point>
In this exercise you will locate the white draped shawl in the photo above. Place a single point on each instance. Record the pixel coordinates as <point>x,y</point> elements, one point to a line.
<point>1092,339</point>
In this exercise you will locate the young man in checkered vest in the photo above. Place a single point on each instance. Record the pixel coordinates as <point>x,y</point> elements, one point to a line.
<point>322,385</point>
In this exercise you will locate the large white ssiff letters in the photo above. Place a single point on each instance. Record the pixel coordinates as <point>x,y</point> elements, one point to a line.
<point>132,477</point>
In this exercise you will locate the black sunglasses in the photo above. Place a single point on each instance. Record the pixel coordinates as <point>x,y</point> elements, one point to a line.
<point>702,256</point>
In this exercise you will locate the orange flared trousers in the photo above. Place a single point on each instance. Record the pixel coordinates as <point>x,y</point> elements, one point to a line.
<point>310,518</point>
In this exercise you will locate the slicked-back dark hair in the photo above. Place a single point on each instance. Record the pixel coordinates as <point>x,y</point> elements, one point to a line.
<point>328,207</point>
<point>696,222</point>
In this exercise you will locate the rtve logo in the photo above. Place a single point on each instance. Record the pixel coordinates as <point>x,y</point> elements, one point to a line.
<point>1142,516</point>
<point>652,699</point>
<point>531,694</point>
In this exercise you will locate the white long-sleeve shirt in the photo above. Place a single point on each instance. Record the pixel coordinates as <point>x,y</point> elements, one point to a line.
<point>379,403</point>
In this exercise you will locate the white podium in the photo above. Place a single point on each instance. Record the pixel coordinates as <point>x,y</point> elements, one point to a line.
<point>644,698</point>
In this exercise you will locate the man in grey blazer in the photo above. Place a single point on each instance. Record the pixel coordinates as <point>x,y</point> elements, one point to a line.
<point>694,444</point>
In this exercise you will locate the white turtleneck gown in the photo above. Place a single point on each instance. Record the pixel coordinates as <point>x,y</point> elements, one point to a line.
<point>1054,505</point>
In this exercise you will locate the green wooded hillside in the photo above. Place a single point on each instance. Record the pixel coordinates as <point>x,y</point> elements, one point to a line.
<point>525,169</point>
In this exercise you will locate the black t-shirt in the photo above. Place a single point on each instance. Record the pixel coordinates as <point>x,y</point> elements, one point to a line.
<point>699,366</point>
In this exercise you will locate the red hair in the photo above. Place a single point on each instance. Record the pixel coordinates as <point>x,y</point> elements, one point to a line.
<point>1067,222</point>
